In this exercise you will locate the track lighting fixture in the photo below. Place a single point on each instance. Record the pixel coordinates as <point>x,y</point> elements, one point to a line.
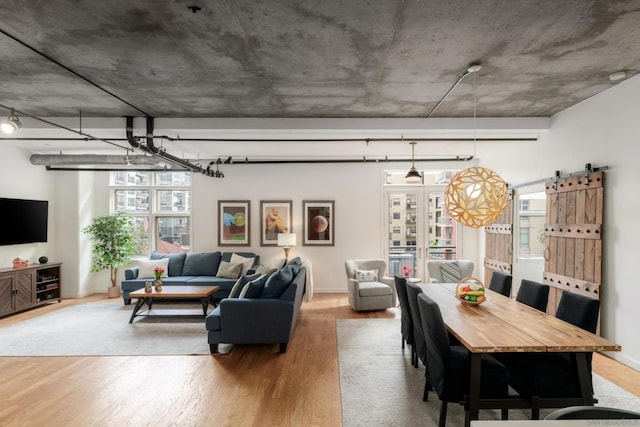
<point>12,124</point>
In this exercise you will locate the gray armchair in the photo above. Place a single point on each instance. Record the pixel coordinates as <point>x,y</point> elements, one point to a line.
<point>368,290</point>
<point>449,271</point>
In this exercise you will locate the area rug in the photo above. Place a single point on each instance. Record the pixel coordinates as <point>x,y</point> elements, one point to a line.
<point>380,387</point>
<point>103,329</point>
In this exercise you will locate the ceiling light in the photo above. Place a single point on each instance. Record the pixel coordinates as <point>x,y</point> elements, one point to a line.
<point>476,196</point>
<point>413,175</point>
<point>619,75</point>
<point>12,124</point>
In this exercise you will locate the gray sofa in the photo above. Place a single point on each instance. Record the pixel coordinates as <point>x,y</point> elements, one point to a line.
<point>193,269</point>
<point>267,316</point>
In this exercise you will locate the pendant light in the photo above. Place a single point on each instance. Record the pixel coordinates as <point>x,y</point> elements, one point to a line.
<point>476,196</point>
<point>413,175</point>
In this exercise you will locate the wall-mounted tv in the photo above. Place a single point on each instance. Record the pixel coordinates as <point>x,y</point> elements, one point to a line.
<point>23,221</point>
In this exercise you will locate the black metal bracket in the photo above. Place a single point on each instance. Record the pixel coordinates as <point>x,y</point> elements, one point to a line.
<point>556,176</point>
<point>587,170</point>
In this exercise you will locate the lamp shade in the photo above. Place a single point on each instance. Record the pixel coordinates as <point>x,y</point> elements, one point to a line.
<point>476,197</point>
<point>287,239</point>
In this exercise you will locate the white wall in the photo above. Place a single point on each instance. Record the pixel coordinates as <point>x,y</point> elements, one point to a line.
<point>604,131</point>
<point>20,180</point>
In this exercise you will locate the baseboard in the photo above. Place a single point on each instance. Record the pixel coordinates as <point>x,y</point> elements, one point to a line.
<point>632,363</point>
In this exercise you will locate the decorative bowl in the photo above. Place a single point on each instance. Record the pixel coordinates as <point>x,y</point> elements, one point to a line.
<point>470,291</point>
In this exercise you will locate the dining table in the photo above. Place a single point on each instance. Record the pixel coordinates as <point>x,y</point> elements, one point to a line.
<point>503,325</point>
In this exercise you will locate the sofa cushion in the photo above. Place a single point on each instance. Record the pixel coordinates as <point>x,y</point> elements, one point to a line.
<point>246,262</point>
<point>278,282</point>
<point>229,270</point>
<point>374,289</point>
<point>253,289</point>
<point>367,275</point>
<point>239,285</point>
<point>146,268</point>
<point>176,262</point>
<point>201,264</point>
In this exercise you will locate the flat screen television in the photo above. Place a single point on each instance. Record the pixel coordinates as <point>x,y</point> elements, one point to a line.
<point>23,221</point>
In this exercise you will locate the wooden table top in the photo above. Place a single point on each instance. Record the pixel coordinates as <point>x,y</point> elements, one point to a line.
<point>501,324</point>
<point>176,292</point>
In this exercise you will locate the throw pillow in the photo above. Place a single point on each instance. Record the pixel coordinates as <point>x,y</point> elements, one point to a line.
<point>253,289</point>
<point>367,275</point>
<point>201,264</point>
<point>239,285</point>
<point>229,270</point>
<point>176,262</point>
<point>146,267</point>
<point>246,262</point>
<point>277,283</point>
<point>450,272</point>
<point>263,269</point>
<point>295,261</point>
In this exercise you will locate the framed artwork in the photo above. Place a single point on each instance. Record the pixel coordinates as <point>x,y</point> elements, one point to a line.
<point>275,218</point>
<point>233,223</point>
<point>318,222</point>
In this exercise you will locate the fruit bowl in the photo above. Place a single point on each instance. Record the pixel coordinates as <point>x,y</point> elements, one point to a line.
<point>470,291</point>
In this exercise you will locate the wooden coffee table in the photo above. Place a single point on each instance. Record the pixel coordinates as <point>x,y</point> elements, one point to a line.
<point>186,293</point>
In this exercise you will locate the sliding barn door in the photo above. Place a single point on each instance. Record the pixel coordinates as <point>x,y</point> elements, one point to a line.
<point>573,234</point>
<point>498,249</point>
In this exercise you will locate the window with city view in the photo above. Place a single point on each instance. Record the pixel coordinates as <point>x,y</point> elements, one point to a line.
<point>160,205</point>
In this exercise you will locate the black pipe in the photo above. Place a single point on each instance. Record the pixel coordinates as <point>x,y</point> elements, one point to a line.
<point>129,130</point>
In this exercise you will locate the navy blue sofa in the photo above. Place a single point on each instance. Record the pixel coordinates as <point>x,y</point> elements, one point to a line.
<point>193,269</point>
<point>266,317</point>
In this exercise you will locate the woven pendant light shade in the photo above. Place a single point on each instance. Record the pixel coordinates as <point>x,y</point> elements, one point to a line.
<point>476,197</point>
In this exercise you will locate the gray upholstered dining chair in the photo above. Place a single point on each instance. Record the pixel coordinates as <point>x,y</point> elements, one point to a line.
<point>500,283</point>
<point>448,365</point>
<point>533,294</point>
<point>406,320</point>
<point>553,375</point>
<point>367,287</point>
<point>592,413</point>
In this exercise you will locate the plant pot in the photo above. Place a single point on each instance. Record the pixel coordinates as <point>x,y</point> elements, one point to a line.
<point>113,292</point>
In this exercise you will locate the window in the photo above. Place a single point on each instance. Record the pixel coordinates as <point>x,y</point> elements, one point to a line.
<point>531,217</point>
<point>160,205</point>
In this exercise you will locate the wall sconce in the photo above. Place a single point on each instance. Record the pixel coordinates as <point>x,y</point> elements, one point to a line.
<point>286,241</point>
<point>12,124</point>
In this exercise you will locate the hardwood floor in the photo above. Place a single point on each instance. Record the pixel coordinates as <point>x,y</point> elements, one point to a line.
<point>252,385</point>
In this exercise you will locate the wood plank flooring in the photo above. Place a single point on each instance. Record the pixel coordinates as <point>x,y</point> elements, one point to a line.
<point>252,385</point>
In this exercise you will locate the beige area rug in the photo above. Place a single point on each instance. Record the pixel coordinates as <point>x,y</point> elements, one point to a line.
<point>380,387</point>
<point>103,329</point>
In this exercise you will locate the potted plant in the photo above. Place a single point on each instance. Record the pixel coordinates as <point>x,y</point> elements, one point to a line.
<point>114,245</point>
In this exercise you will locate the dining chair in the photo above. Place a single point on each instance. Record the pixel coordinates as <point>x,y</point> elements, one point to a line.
<point>553,375</point>
<point>448,365</point>
<point>413,291</point>
<point>406,321</point>
<point>533,294</point>
<point>500,283</point>
<point>592,413</point>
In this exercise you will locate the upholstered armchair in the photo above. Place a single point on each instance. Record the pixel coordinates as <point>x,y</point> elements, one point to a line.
<point>367,287</point>
<point>449,271</point>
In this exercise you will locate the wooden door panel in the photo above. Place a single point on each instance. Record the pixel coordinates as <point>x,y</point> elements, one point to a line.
<point>573,234</point>
<point>499,243</point>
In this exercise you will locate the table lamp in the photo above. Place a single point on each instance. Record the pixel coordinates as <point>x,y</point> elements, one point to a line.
<point>286,241</point>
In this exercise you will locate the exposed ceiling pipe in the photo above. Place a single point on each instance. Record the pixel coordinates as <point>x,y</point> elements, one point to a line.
<point>149,147</point>
<point>129,130</point>
<point>91,159</point>
<point>85,159</point>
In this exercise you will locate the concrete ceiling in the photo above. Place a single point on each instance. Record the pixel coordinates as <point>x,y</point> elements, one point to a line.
<point>310,58</point>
